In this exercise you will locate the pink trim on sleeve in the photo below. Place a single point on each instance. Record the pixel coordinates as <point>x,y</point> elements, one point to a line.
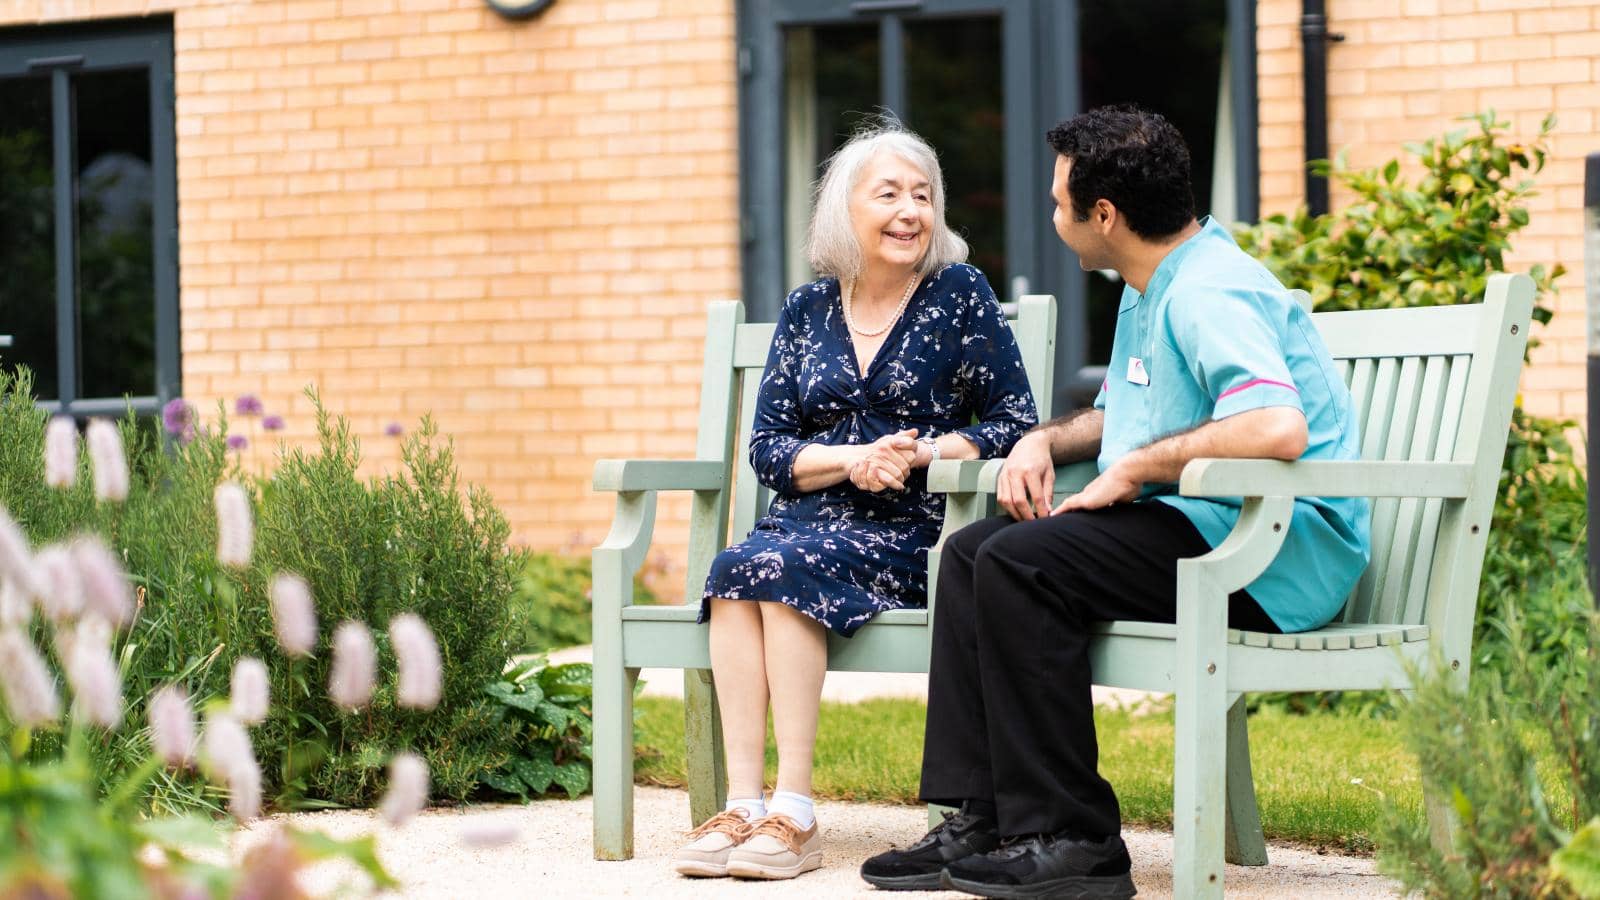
<point>1254,382</point>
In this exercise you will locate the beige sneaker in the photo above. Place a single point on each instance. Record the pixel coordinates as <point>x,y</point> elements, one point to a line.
<point>706,854</point>
<point>777,848</point>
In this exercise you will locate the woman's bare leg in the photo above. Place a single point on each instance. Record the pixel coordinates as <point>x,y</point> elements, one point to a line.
<point>796,661</point>
<point>739,670</point>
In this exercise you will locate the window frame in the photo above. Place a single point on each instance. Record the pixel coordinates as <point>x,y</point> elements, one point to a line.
<point>62,51</point>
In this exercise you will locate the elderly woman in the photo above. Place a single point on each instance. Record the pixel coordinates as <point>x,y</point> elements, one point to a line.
<point>899,355</point>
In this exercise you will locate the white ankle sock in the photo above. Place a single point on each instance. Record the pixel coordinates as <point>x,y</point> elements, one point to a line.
<point>796,806</point>
<point>755,808</point>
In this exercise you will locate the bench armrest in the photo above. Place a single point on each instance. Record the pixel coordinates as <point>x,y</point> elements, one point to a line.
<point>621,475</point>
<point>1319,478</point>
<point>980,476</point>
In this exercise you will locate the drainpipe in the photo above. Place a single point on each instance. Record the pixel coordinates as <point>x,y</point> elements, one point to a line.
<point>1314,39</point>
<point>1591,277</point>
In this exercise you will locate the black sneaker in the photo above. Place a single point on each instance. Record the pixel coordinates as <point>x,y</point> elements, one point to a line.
<point>917,867</point>
<point>1047,866</point>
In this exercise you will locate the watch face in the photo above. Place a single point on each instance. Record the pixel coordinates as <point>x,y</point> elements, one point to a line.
<point>520,9</point>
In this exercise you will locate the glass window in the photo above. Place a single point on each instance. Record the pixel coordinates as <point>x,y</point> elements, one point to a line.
<point>27,232</point>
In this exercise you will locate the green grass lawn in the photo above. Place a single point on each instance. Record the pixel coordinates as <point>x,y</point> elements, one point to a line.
<point>1304,765</point>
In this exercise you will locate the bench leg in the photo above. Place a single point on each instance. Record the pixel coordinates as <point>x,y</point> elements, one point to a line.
<point>704,759</point>
<point>613,759</point>
<point>1244,844</point>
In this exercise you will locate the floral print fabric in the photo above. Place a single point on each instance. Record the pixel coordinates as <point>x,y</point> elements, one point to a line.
<point>842,555</point>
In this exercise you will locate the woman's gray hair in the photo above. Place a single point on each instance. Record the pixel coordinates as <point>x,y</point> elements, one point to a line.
<point>831,242</point>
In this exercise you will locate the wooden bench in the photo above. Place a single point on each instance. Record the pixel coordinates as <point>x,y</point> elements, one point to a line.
<point>629,637</point>
<point>1433,390</point>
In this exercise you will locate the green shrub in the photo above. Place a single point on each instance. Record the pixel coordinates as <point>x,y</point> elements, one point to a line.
<point>369,548</point>
<point>552,710</point>
<point>553,600</point>
<point>1518,759</point>
<point>1432,242</point>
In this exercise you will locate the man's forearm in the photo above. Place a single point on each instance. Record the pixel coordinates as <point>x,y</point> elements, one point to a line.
<point>1272,433</point>
<point>1074,436</point>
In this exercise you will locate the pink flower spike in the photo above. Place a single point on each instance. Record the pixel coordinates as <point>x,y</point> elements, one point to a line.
<point>235,528</point>
<point>16,609</point>
<point>417,656</point>
<point>355,666</point>
<point>293,616</point>
<point>230,759</point>
<point>61,452</point>
<point>485,835</point>
<point>96,683</point>
<point>110,466</point>
<point>249,695</point>
<point>16,557</point>
<point>62,597</point>
<point>408,789</point>
<point>105,585</point>
<point>172,727</point>
<point>29,689</point>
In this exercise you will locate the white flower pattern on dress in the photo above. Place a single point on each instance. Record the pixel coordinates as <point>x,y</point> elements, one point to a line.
<point>842,555</point>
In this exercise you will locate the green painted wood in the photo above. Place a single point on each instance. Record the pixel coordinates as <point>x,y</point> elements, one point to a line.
<point>1402,549</point>
<point>614,475</point>
<point>1418,331</point>
<point>1035,330</point>
<point>1244,843</point>
<point>749,495</point>
<point>704,761</point>
<point>1318,478</point>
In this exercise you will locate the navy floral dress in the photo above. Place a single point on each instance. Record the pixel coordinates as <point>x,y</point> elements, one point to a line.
<point>842,555</point>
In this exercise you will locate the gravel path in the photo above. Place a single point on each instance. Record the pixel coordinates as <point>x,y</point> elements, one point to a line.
<point>551,855</point>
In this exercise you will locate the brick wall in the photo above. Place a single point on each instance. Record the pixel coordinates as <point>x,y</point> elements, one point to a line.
<point>419,207</point>
<point>1405,70</point>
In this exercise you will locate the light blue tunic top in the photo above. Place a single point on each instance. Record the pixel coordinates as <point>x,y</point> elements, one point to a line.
<point>1213,335</point>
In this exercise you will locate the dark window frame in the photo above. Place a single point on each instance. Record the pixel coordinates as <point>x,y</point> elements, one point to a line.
<point>62,51</point>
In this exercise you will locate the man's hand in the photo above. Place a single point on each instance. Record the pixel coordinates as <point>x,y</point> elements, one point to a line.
<point>1028,478</point>
<point>886,462</point>
<point>1114,485</point>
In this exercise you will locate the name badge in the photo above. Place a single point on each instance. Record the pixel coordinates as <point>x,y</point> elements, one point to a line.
<point>1136,371</point>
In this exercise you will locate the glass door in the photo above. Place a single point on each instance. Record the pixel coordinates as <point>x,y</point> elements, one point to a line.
<point>954,71</point>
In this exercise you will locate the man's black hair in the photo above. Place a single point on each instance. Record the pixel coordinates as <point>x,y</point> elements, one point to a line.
<point>1133,158</point>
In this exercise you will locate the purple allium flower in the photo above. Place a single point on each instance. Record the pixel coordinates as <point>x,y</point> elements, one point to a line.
<point>417,657</point>
<point>237,442</point>
<point>105,585</point>
<point>96,683</point>
<point>272,423</point>
<point>110,465</point>
<point>172,726</point>
<point>248,698</point>
<point>393,429</point>
<point>293,615</point>
<point>247,405</point>
<point>178,417</point>
<point>235,530</point>
<point>62,599</point>
<point>355,666</point>
<point>61,452</point>
<point>408,789</point>
<point>29,689</point>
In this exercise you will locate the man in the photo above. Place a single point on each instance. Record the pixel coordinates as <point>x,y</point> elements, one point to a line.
<point>1211,357</point>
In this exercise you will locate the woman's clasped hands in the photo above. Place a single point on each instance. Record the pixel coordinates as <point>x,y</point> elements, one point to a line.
<point>886,462</point>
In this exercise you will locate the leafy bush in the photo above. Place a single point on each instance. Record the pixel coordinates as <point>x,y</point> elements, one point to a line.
<point>1433,242</point>
<point>552,710</point>
<point>553,601</point>
<point>1518,756</point>
<point>369,548</point>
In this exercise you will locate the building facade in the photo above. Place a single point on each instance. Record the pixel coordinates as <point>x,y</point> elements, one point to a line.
<point>421,207</point>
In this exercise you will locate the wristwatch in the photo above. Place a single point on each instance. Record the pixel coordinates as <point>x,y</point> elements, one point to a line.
<point>933,447</point>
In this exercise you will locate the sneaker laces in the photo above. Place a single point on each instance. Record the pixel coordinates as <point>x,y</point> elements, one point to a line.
<point>732,822</point>
<point>1019,844</point>
<point>952,822</point>
<point>782,827</point>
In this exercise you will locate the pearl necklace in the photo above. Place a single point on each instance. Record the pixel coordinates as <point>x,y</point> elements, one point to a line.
<point>848,288</point>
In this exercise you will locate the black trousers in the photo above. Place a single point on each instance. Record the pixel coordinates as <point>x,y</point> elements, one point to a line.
<point>1010,719</point>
